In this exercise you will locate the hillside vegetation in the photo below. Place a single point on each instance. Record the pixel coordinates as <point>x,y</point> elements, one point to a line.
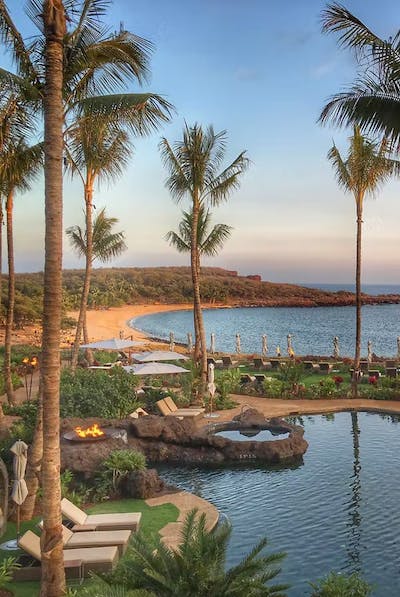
<point>116,286</point>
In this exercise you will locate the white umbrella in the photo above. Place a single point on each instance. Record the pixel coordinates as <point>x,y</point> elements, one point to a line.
<point>336,352</point>
<point>238,347</point>
<point>398,347</point>
<point>212,344</point>
<point>264,350</point>
<point>189,342</point>
<point>19,489</point>
<point>369,348</point>
<point>171,341</point>
<point>113,344</point>
<point>154,369</point>
<point>158,355</point>
<point>289,345</point>
<point>211,387</point>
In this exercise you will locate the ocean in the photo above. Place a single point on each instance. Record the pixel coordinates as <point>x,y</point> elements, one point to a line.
<point>312,329</point>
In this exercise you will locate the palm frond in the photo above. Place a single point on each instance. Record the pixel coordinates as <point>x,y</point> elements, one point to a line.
<point>12,39</point>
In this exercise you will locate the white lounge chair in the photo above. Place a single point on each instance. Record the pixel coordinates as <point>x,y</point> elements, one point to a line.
<point>99,522</point>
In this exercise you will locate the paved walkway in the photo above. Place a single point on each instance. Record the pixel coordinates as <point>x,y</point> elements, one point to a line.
<point>184,501</point>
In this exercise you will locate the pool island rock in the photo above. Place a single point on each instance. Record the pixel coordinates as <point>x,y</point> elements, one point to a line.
<point>171,440</point>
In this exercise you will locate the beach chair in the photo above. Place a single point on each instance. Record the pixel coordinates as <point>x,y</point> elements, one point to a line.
<point>275,364</point>
<point>364,366</point>
<point>390,364</point>
<point>180,413</point>
<point>228,363</point>
<point>246,379</point>
<point>325,368</point>
<point>172,406</point>
<point>78,540</point>
<point>216,362</point>
<point>310,367</point>
<point>260,378</point>
<point>259,364</point>
<point>99,522</point>
<point>78,563</point>
<point>391,371</point>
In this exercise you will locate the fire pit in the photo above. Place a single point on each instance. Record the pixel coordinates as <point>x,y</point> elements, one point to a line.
<point>89,434</point>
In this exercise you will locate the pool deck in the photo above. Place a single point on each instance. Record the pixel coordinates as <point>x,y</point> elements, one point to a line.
<point>185,502</point>
<point>276,407</point>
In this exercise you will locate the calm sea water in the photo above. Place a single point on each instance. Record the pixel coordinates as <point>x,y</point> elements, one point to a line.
<point>336,511</point>
<point>312,329</point>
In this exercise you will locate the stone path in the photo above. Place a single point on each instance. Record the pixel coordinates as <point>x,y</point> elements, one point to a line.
<point>184,501</point>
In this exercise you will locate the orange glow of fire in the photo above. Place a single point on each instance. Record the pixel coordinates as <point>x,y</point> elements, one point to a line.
<point>93,431</point>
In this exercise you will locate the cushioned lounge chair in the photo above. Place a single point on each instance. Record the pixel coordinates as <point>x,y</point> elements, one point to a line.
<point>325,368</point>
<point>259,363</point>
<point>73,540</point>
<point>310,366</point>
<point>79,561</point>
<point>172,406</point>
<point>180,413</point>
<point>216,362</point>
<point>99,522</point>
<point>228,363</point>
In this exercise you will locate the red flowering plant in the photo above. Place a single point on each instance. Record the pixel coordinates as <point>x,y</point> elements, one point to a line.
<point>338,380</point>
<point>373,380</point>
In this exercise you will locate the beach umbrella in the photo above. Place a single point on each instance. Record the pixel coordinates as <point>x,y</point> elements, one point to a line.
<point>398,347</point>
<point>189,342</point>
<point>278,351</point>
<point>211,387</point>
<point>264,350</point>
<point>238,347</point>
<point>290,350</point>
<point>369,348</point>
<point>336,352</point>
<point>158,355</point>
<point>171,341</point>
<point>154,369</point>
<point>19,489</point>
<point>113,344</point>
<point>212,344</point>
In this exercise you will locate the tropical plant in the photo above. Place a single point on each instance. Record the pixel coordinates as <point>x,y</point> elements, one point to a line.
<point>210,240</point>
<point>196,567</point>
<point>373,101</point>
<point>19,164</point>
<point>193,165</point>
<point>117,466</point>
<point>96,152</point>
<point>7,567</point>
<point>361,173</point>
<point>104,244</point>
<point>341,585</point>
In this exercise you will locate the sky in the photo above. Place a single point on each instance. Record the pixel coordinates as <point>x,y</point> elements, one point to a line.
<point>261,70</point>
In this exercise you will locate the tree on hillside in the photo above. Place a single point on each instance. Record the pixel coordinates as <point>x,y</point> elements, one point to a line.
<point>105,244</point>
<point>361,173</point>
<point>95,153</point>
<point>196,568</point>
<point>19,164</point>
<point>53,574</point>
<point>373,101</point>
<point>193,165</point>
<point>210,240</point>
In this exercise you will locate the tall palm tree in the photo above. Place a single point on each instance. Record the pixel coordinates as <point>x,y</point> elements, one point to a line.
<point>361,173</point>
<point>197,567</point>
<point>373,101</point>
<point>53,574</point>
<point>106,245</point>
<point>19,164</point>
<point>96,152</point>
<point>193,165</point>
<point>210,240</point>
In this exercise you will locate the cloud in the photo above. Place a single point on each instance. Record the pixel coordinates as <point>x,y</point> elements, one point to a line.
<point>323,69</point>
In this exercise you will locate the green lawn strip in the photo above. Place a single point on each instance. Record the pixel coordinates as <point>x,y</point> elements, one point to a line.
<point>154,518</point>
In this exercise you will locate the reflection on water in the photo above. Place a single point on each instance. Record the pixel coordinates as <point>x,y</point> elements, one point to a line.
<point>338,511</point>
<point>245,435</point>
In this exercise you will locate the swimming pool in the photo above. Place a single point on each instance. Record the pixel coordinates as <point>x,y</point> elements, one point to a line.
<point>338,510</point>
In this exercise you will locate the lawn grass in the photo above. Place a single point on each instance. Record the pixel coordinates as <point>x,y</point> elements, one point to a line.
<point>154,518</point>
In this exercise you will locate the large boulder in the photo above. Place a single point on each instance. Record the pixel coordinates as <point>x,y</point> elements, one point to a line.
<point>142,484</point>
<point>251,418</point>
<point>167,429</point>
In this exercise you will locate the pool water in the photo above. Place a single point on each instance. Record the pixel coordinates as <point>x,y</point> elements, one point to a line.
<point>338,510</point>
<point>253,435</point>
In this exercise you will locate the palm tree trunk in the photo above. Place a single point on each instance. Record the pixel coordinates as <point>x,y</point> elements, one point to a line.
<point>33,467</point>
<point>53,574</point>
<point>11,300</point>
<point>356,373</point>
<point>194,263</point>
<point>197,335</point>
<point>1,250</point>
<point>88,271</point>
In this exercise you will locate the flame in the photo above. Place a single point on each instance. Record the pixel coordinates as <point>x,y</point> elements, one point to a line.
<point>93,431</point>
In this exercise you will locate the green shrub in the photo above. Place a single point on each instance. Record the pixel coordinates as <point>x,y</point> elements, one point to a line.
<point>118,465</point>
<point>341,585</point>
<point>291,372</point>
<point>88,393</point>
<point>7,567</point>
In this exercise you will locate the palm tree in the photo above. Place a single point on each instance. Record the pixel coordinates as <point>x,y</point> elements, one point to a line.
<point>197,567</point>
<point>106,245</point>
<point>53,574</point>
<point>193,165</point>
<point>373,101</point>
<point>209,241</point>
<point>361,173</point>
<point>19,164</point>
<point>96,152</point>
